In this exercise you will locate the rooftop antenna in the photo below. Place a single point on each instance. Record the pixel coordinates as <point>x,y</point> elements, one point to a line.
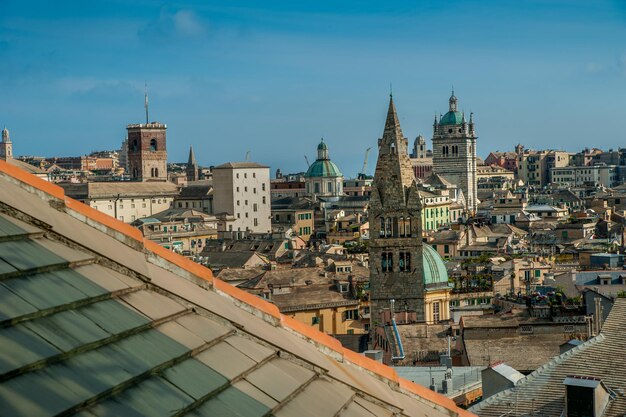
<point>146,100</point>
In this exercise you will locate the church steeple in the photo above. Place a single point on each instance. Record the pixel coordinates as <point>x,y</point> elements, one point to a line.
<point>395,246</point>
<point>192,166</point>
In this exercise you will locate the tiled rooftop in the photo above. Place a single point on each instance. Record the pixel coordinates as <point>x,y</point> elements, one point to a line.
<point>97,321</point>
<point>543,391</point>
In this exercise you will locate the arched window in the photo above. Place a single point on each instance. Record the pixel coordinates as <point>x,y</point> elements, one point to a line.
<point>381,233</point>
<point>153,144</point>
<point>392,147</point>
<point>388,227</point>
<point>401,228</point>
<point>134,145</point>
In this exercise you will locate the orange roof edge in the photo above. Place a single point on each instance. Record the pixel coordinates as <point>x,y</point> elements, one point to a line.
<point>246,297</point>
<point>370,364</point>
<point>179,260</point>
<point>32,180</point>
<point>433,397</point>
<point>104,219</point>
<point>312,333</point>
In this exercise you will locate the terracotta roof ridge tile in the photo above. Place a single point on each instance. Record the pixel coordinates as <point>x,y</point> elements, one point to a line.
<point>32,180</point>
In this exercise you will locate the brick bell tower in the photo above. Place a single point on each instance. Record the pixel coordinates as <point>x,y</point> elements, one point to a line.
<point>395,246</point>
<point>147,151</point>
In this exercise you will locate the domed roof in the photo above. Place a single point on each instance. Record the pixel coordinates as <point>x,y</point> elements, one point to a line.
<point>452,118</point>
<point>435,272</point>
<point>323,168</point>
<point>322,145</point>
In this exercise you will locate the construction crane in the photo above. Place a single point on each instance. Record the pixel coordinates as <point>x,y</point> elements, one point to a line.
<point>307,161</point>
<point>363,172</point>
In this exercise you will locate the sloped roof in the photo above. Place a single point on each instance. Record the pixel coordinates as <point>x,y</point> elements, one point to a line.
<point>544,388</point>
<point>97,320</point>
<point>120,189</point>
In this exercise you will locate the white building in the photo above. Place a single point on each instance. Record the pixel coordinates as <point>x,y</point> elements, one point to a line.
<point>125,201</point>
<point>605,175</point>
<point>243,190</point>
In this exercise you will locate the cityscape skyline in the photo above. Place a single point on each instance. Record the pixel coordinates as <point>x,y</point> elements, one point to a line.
<point>283,76</point>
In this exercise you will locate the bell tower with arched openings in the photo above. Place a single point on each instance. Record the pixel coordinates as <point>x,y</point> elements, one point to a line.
<point>147,152</point>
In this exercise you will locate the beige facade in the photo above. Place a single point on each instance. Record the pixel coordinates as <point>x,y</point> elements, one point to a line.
<point>243,190</point>
<point>344,319</point>
<point>535,167</point>
<point>125,201</point>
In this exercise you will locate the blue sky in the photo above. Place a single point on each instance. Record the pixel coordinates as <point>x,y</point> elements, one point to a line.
<point>273,77</point>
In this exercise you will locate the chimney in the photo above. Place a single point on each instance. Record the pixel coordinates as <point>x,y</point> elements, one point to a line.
<point>585,396</point>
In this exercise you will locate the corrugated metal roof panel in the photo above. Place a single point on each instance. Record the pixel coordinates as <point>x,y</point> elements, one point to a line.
<point>49,289</point>
<point>107,278</point>
<point>226,360</point>
<point>249,389</point>
<point>253,350</point>
<point>67,330</point>
<point>12,306</point>
<point>9,228</point>
<point>153,397</point>
<point>231,403</point>
<point>5,268</point>
<point>202,327</point>
<point>27,254</point>
<point>279,378</point>
<point>153,305</point>
<point>113,316</point>
<point>65,252</point>
<point>194,378</point>
<point>19,347</point>
<point>329,397</point>
<point>180,334</point>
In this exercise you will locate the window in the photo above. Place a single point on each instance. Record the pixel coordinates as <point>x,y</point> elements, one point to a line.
<point>237,177</point>
<point>254,207</point>
<point>263,186</point>
<point>239,215</point>
<point>237,189</point>
<point>245,189</point>
<point>351,315</point>
<point>245,202</point>
<point>263,199</point>
<point>254,175</point>
<point>315,320</point>
<point>537,273</point>
<point>256,221</point>
<point>387,262</point>
<point>404,263</point>
<point>153,144</point>
<point>446,249</point>
<point>330,187</point>
<point>238,201</point>
<point>143,205</point>
<point>254,190</point>
<point>436,313</point>
<point>246,214</point>
<point>121,206</point>
<point>245,175</point>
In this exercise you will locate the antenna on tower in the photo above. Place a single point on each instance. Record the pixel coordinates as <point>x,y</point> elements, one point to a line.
<point>146,101</point>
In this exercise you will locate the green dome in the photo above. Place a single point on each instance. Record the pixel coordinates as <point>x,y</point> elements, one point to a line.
<point>435,272</point>
<point>322,146</point>
<point>323,168</point>
<point>452,118</point>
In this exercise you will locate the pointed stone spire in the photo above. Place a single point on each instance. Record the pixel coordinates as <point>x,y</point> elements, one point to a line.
<point>463,118</point>
<point>192,157</point>
<point>5,135</point>
<point>392,135</point>
<point>393,167</point>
